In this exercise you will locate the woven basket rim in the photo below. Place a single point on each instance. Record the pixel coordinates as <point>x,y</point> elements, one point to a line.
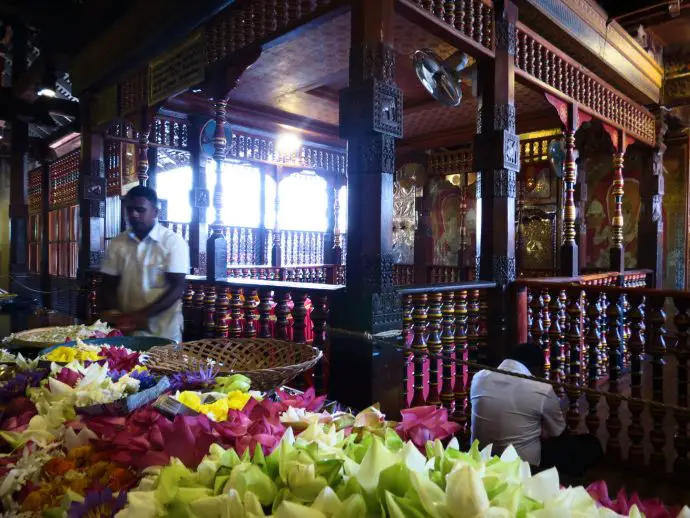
<point>180,349</point>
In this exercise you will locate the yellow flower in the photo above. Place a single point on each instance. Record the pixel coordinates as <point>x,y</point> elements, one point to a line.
<point>68,354</point>
<point>218,409</point>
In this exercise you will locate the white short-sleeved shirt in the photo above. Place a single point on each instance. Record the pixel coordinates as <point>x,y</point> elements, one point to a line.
<point>508,410</point>
<point>141,266</point>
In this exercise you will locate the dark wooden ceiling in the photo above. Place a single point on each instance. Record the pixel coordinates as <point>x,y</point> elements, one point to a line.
<point>298,82</point>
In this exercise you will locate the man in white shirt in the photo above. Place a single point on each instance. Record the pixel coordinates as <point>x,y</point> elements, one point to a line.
<point>527,414</point>
<point>144,272</point>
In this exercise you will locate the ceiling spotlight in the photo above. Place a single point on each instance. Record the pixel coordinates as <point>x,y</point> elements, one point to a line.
<point>288,143</point>
<point>46,87</point>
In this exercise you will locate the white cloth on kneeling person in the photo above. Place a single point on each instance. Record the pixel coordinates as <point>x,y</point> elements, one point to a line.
<point>510,410</point>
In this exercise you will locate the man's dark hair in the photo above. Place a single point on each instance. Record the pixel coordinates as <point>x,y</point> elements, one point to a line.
<point>530,355</point>
<point>143,192</point>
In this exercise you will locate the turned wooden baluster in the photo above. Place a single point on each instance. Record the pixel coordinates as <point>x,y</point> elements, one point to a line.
<point>221,316</point>
<point>419,348</point>
<point>603,347</point>
<point>209,311</point>
<point>282,312</point>
<point>449,12</point>
<point>546,325</point>
<point>681,466</point>
<point>615,339</point>
<point>249,308</point>
<point>469,18</point>
<point>657,349</point>
<point>625,330</point>
<point>235,328</point>
<point>265,306</point>
<point>637,349</point>
<point>479,21</point>
<point>573,337</point>
<point>448,340</point>
<point>556,342</point>
<point>427,5</point>
<point>319,316</point>
<point>439,9</point>
<point>563,321</point>
<point>537,309</point>
<point>472,344</point>
<point>482,328</point>
<point>592,339</point>
<point>406,317</point>
<point>460,15</point>
<point>460,388</point>
<point>434,345</point>
<point>299,314</point>
<point>188,311</point>
<point>488,26</point>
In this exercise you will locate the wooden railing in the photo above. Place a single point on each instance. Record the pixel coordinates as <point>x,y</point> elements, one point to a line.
<point>319,274</point>
<point>440,324</point>
<point>179,228</point>
<point>238,308</point>
<point>404,274</point>
<point>622,366</point>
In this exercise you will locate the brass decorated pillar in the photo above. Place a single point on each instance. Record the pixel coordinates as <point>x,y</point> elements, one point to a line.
<point>617,251</point>
<point>569,248</point>
<point>143,153</point>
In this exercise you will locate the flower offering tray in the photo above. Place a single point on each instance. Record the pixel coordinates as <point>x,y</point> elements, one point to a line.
<point>269,363</point>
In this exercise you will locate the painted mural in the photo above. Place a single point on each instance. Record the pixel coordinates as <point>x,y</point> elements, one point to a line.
<point>445,221</point>
<point>600,207</point>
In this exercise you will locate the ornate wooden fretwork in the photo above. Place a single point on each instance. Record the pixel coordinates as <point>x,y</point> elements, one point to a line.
<point>35,190</point>
<point>133,92</point>
<point>64,180</point>
<point>245,145</point>
<point>243,25</point>
<point>166,132</point>
<point>536,58</point>
<point>450,162</point>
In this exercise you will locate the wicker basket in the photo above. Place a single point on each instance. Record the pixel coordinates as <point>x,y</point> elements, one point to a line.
<point>269,363</point>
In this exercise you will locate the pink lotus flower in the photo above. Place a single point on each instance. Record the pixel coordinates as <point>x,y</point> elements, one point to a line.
<point>425,423</point>
<point>308,400</point>
<point>119,359</point>
<point>651,508</point>
<point>69,377</point>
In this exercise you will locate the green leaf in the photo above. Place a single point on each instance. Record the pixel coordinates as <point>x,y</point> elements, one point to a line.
<point>402,507</point>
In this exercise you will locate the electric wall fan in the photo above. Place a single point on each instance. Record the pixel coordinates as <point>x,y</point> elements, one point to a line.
<point>442,78</point>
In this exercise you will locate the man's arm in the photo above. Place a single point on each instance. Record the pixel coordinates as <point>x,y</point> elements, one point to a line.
<point>553,422</point>
<point>176,286</point>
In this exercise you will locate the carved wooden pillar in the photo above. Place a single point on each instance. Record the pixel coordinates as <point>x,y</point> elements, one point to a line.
<point>651,226</point>
<point>19,208</point>
<point>497,151</point>
<point>91,210</point>
<point>337,255</point>
<point>617,251</point>
<point>143,154</point>
<point>371,120</point>
<point>569,248</point>
<point>277,250</point>
<point>371,165</point>
<point>199,201</point>
<point>216,246</point>
<point>497,162</point>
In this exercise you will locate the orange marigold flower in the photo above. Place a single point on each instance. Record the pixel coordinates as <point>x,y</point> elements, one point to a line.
<point>58,466</point>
